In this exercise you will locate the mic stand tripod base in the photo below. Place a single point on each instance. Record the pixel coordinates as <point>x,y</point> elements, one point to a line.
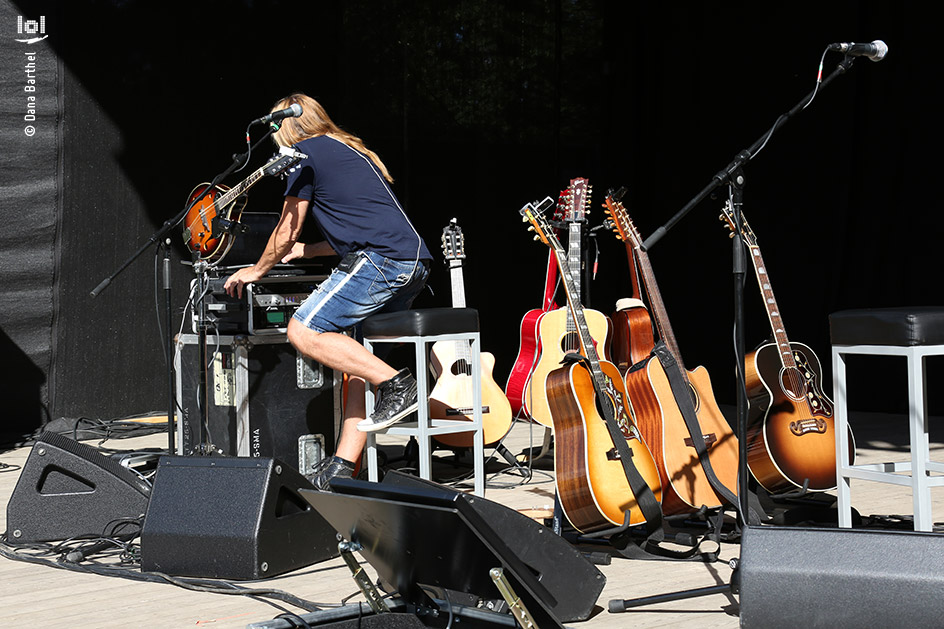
<point>617,605</point>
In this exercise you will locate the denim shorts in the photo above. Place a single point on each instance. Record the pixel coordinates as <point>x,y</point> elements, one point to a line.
<point>364,283</point>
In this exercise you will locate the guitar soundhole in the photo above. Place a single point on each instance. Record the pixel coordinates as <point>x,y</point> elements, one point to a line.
<point>461,368</point>
<point>570,342</point>
<point>793,384</point>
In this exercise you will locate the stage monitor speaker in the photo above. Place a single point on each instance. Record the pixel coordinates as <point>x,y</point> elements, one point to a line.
<point>69,489</point>
<point>799,577</point>
<point>574,582</point>
<point>231,518</point>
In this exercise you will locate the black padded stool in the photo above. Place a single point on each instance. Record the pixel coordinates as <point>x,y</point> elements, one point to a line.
<point>910,332</point>
<point>422,327</point>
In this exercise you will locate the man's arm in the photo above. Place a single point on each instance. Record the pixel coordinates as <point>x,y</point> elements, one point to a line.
<point>309,250</point>
<point>280,244</point>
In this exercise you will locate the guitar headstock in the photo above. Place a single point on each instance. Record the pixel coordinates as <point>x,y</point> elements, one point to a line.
<point>286,157</point>
<point>453,242</point>
<point>540,225</point>
<point>574,201</point>
<point>747,234</point>
<point>621,223</point>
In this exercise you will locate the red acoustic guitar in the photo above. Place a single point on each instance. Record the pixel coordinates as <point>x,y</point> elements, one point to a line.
<point>528,350</point>
<point>591,482</point>
<point>204,231</point>
<point>791,440</point>
<point>685,483</point>
<point>557,329</point>
<point>451,364</point>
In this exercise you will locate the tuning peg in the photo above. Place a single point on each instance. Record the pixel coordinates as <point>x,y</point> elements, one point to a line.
<point>537,238</point>
<point>731,235</point>
<point>524,219</point>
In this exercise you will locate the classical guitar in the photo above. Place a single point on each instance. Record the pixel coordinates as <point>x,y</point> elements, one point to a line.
<point>451,364</point>
<point>557,330</point>
<point>685,483</point>
<point>205,230</point>
<point>791,441</point>
<point>591,481</point>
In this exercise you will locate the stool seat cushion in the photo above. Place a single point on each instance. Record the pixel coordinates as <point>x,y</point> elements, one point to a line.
<point>421,322</point>
<point>903,327</point>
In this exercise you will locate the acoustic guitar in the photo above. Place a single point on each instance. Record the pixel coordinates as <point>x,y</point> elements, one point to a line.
<point>791,439</point>
<point>591,482</point>
<point>451,364</point>
<point>632,326</point>
<point>557,330</point>
<point>205,232</point>
<point>529,340</point>
<point>685,483</point>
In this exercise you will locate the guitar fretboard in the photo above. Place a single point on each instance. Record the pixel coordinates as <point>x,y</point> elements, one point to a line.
<point>773,312</point>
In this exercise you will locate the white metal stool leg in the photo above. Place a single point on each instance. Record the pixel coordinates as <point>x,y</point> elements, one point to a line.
<point>841,427</point>
<point>422,413</point>
<point>920,449</point>
<point>478,438</point>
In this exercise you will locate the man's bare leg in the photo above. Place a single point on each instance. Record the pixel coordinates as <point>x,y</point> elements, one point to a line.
<point>339,351</point>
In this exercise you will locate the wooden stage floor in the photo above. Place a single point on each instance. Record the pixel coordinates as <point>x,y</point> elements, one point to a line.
<point>45,596</point>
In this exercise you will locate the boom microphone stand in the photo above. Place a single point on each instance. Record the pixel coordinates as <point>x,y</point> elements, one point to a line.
<point>161,238</point>
<point>733,176</point>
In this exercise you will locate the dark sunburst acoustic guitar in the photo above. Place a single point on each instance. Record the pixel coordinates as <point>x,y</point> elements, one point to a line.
<point>791,441</point>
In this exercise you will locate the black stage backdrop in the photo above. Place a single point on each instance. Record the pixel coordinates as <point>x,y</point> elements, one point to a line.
<point>477,107</point>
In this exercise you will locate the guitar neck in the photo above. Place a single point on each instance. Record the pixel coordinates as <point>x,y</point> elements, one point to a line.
<point>463,352</point>
<point>579,321</point>
<point>770,303</point>
<point>659,314</point>
<point>240,188</point>
<point>457,283</point>
<point>574,264</point>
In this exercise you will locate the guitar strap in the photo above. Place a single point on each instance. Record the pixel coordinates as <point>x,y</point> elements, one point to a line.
<point>649,505</point>
<point>681,392</point>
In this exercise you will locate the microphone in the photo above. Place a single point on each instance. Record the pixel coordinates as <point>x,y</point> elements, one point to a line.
<point>289,112</point>
<point>875,51</point>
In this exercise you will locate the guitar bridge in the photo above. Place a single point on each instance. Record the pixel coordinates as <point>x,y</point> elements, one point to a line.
<point>465,411</point>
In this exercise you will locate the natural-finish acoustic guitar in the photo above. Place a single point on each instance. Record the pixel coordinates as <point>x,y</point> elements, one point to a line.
<point>451,364</point>
<point>557,330</point>
<point>791,439</point>
<point>685,483</point>
<point>591,482</point>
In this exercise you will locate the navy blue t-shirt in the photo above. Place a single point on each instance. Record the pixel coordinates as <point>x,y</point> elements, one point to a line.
<point>351,202</point>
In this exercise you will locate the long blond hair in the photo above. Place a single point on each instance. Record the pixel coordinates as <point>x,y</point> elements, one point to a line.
<point>314,121</point>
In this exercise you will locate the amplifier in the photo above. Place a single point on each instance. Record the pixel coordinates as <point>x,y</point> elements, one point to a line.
<point>265,308</point>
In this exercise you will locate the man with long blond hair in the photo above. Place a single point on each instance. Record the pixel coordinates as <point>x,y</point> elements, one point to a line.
<point>384,264</point>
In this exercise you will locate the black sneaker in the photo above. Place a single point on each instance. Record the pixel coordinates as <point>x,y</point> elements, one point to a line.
<point>331,467</point>
<point>397,400</point>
